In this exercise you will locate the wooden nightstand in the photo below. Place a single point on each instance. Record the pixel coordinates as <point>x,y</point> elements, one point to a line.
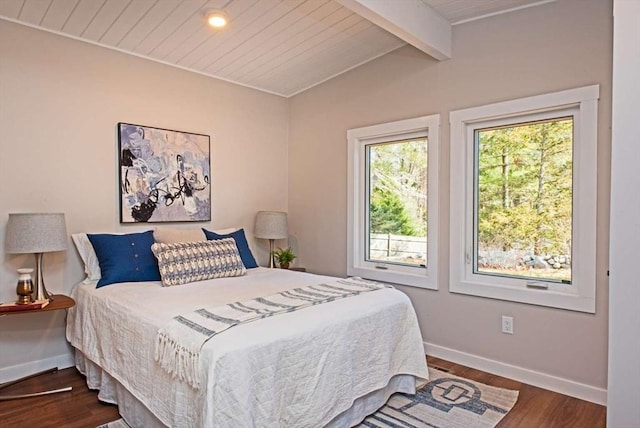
<point>59,302</point>
<point>298,269</point>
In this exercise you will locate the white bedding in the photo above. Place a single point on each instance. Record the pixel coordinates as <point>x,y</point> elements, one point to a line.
<point>299,369</point>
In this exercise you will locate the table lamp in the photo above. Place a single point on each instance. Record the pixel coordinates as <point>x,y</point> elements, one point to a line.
<point>271,225</point>
<point>36,233</point>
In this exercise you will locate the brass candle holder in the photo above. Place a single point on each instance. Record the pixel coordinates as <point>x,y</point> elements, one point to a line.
<point>24,289</point>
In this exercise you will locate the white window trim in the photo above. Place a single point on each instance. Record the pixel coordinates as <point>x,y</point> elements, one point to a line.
<point>357,140</point>
<point>580,294</point>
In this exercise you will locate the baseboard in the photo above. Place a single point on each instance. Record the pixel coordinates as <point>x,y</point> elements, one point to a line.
<point>62,361</point>
<point>531,377</point>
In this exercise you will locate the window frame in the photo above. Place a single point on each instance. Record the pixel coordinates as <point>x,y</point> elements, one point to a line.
<point>580,294</point>
<point>357,212</point>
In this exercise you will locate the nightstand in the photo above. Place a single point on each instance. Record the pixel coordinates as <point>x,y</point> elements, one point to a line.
<point>298,269</point>
<point>60,302</point>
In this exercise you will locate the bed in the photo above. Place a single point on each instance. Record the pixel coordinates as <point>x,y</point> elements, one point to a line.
<point>325,365</point>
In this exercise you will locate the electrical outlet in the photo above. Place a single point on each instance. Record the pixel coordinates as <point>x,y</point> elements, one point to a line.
<point>507,325</point>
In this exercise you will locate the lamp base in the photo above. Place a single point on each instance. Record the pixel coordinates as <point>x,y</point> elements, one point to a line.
<point>41,290</point>
<point>272,257</point>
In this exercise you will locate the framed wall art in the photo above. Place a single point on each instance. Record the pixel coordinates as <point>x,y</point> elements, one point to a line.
<point>165,175</point>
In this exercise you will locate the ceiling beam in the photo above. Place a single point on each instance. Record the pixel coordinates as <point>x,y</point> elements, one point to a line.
<point>411,20</point>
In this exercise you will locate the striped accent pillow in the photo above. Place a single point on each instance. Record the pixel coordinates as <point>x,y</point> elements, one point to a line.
<point>185,262</point>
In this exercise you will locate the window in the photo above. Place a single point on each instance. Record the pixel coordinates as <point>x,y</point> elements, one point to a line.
<point>393,195</point>
<point>523,200</point>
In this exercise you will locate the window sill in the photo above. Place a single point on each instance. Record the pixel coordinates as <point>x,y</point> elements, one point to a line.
<point>421,280</point>
<point>540,297</point>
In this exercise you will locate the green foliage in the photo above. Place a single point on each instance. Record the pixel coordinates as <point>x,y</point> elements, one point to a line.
<point>388,215</point>
<point>284,255</point>
<point>525,187</point>
<point>398,181</point>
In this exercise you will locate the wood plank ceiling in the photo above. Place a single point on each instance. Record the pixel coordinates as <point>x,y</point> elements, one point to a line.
<point>278,46</point>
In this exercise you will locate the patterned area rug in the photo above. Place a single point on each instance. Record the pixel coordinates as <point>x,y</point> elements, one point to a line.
<point>446,401</point>
<point>115,424</point>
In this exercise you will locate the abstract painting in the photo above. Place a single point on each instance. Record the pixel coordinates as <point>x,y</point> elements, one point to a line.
<point>164,175</point>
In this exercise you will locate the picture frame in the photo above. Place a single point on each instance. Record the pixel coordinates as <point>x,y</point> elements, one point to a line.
<point>164,175</point>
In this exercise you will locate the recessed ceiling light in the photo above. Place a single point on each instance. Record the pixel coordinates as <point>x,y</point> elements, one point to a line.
<point>217,19</point>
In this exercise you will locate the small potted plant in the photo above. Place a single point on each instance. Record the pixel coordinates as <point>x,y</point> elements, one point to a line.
<point>284,257</point>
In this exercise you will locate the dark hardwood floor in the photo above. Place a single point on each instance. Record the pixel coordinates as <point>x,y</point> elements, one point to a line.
<point>80,408</point>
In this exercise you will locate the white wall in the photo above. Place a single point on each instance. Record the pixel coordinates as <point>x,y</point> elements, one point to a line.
<point>551,47</point>
<point>60,100</point>
<point>623,406</point>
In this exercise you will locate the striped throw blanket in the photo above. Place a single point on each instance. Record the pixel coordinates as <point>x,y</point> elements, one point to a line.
<point>178,344</point>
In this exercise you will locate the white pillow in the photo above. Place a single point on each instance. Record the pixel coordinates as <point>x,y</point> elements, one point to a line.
<point>88,256</point>
<point>163,235</point>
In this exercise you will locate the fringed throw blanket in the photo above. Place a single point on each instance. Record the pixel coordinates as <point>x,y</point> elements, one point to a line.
<point>178,344</point>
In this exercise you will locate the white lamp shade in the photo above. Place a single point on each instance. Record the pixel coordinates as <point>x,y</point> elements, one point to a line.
<point>271,225</point>
<point>36,233</point>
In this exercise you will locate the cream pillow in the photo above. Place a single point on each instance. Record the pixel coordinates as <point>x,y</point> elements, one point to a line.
<point>164,235</point>
<point>88,256</point>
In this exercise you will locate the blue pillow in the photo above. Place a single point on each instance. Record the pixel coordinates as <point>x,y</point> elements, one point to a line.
<point>241,242</point>
<point>125,258</point>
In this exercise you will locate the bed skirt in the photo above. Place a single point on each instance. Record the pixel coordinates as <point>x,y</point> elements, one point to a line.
<point>137,415</point>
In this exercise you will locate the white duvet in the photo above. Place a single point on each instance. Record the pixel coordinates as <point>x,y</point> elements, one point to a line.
<point>299,369</point>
